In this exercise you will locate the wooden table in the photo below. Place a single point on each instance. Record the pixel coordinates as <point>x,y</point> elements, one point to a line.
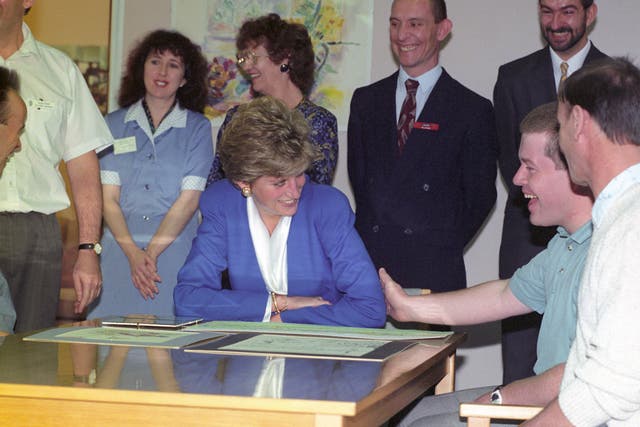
<point>46,384</point>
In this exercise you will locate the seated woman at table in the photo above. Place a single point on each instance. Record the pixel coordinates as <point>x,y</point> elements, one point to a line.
<point>289,245</point>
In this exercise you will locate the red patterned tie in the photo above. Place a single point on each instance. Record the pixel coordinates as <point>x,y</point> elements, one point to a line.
<point>407,113</point>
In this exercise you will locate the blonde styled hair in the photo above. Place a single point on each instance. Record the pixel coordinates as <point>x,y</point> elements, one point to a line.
<point>265,138</point>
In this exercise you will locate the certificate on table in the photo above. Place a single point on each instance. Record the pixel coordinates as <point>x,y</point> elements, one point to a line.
<point>318,330</point>
<point>302,347</point>
<point>122,336</point>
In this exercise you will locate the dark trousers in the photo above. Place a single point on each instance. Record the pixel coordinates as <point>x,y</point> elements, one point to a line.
<point>31,261</point>
<point>521,241</point>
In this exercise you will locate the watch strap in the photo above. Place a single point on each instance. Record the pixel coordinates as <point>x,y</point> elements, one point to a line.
<point>496,396</point>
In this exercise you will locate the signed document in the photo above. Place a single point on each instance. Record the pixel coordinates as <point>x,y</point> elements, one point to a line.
<point>303,347</point>
<point>122,336</point>
<point>319,330</point>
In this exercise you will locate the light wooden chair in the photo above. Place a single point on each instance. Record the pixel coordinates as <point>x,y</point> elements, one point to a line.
<point>478,415</point>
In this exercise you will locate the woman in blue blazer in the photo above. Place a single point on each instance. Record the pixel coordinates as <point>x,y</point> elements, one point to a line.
<point>289,245</point>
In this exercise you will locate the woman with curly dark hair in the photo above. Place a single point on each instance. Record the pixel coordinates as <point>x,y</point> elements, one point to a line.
<point>153,175</point>
<point>277,56</point>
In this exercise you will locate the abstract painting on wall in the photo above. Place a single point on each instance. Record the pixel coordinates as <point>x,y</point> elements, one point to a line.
<point>340,30</point>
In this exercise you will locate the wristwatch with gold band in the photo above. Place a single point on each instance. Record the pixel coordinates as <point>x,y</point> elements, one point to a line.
<point>96,247</point>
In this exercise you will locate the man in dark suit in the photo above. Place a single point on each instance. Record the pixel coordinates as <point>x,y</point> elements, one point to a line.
<point>420,200</point>
<point>522,85</point>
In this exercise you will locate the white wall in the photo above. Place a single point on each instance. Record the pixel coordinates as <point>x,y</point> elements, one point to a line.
<point>485,34</point>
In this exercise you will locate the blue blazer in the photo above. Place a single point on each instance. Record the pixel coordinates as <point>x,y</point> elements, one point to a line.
<point>416,213</point>
<point>325,258</point>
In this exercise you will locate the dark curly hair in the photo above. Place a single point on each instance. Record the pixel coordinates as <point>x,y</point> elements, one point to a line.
<point>192,95</point>
<point>282,40</point>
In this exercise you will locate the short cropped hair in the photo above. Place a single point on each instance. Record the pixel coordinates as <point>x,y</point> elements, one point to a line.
<point>265,138</point>
<point>439,8</point>
<point>192,95</point>
<point>544,119</point>
<point>609,90</point>
<point>9,81</point>
<point>282,40</point>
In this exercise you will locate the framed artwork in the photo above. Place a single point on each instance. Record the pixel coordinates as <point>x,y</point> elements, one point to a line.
<point>340,30</point>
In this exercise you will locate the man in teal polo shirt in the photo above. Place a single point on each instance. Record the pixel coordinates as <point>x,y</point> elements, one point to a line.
<point>548,284</point>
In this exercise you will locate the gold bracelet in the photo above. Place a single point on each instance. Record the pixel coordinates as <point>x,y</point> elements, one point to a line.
<point>275,303</point>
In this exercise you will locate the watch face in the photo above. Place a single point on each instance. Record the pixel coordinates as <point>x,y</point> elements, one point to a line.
<point>97,248</point>
<point>496,397</point>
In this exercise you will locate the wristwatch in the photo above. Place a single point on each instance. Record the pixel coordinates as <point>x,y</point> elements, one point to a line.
<point>496,396</point>
<point>96,247</point>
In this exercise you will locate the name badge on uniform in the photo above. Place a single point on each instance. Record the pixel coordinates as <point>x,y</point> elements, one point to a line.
<point>124,145</point>
<point>40,104</point>
<point>426,126</point>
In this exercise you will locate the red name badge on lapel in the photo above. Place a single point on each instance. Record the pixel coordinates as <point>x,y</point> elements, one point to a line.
<point>426,126</point>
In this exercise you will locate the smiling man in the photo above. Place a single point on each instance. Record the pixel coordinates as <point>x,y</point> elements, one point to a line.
<point>64,124</point>
<point>548,284</point>
<point>13,114</point>
<point>421,156</point>
<point>522,85</point>
<point>600,138</point>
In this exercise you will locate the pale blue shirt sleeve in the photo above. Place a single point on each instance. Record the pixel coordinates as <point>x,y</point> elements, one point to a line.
<point>200,153</point>
<point>528,282</point>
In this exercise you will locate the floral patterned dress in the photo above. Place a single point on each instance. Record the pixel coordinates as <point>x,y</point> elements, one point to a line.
<point>324,136</point>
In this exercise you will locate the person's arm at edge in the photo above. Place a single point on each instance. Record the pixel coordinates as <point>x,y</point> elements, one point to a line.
<point>355,154</point>
<point>479,169</point>
<point>174,222</point>
<point>485,302</point>
<point>87,197</point>
<point>538,390</point>
<point>507,128</point>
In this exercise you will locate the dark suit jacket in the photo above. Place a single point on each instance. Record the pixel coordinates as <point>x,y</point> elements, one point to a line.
<point>522,85</point>
<point>416,212</point>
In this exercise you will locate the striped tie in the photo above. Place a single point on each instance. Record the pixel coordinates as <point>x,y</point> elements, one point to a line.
<point>563,70</point>
<point>407,113</point>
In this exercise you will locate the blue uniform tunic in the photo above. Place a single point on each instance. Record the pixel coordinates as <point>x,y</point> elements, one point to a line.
<point>151,176</point>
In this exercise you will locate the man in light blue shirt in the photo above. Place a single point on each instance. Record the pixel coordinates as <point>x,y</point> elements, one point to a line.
<point>548,284</point>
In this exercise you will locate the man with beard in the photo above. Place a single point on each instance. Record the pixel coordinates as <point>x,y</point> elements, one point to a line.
<point>522,85</point>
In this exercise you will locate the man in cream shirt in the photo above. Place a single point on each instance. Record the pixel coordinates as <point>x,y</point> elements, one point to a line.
<point>63,123</point>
